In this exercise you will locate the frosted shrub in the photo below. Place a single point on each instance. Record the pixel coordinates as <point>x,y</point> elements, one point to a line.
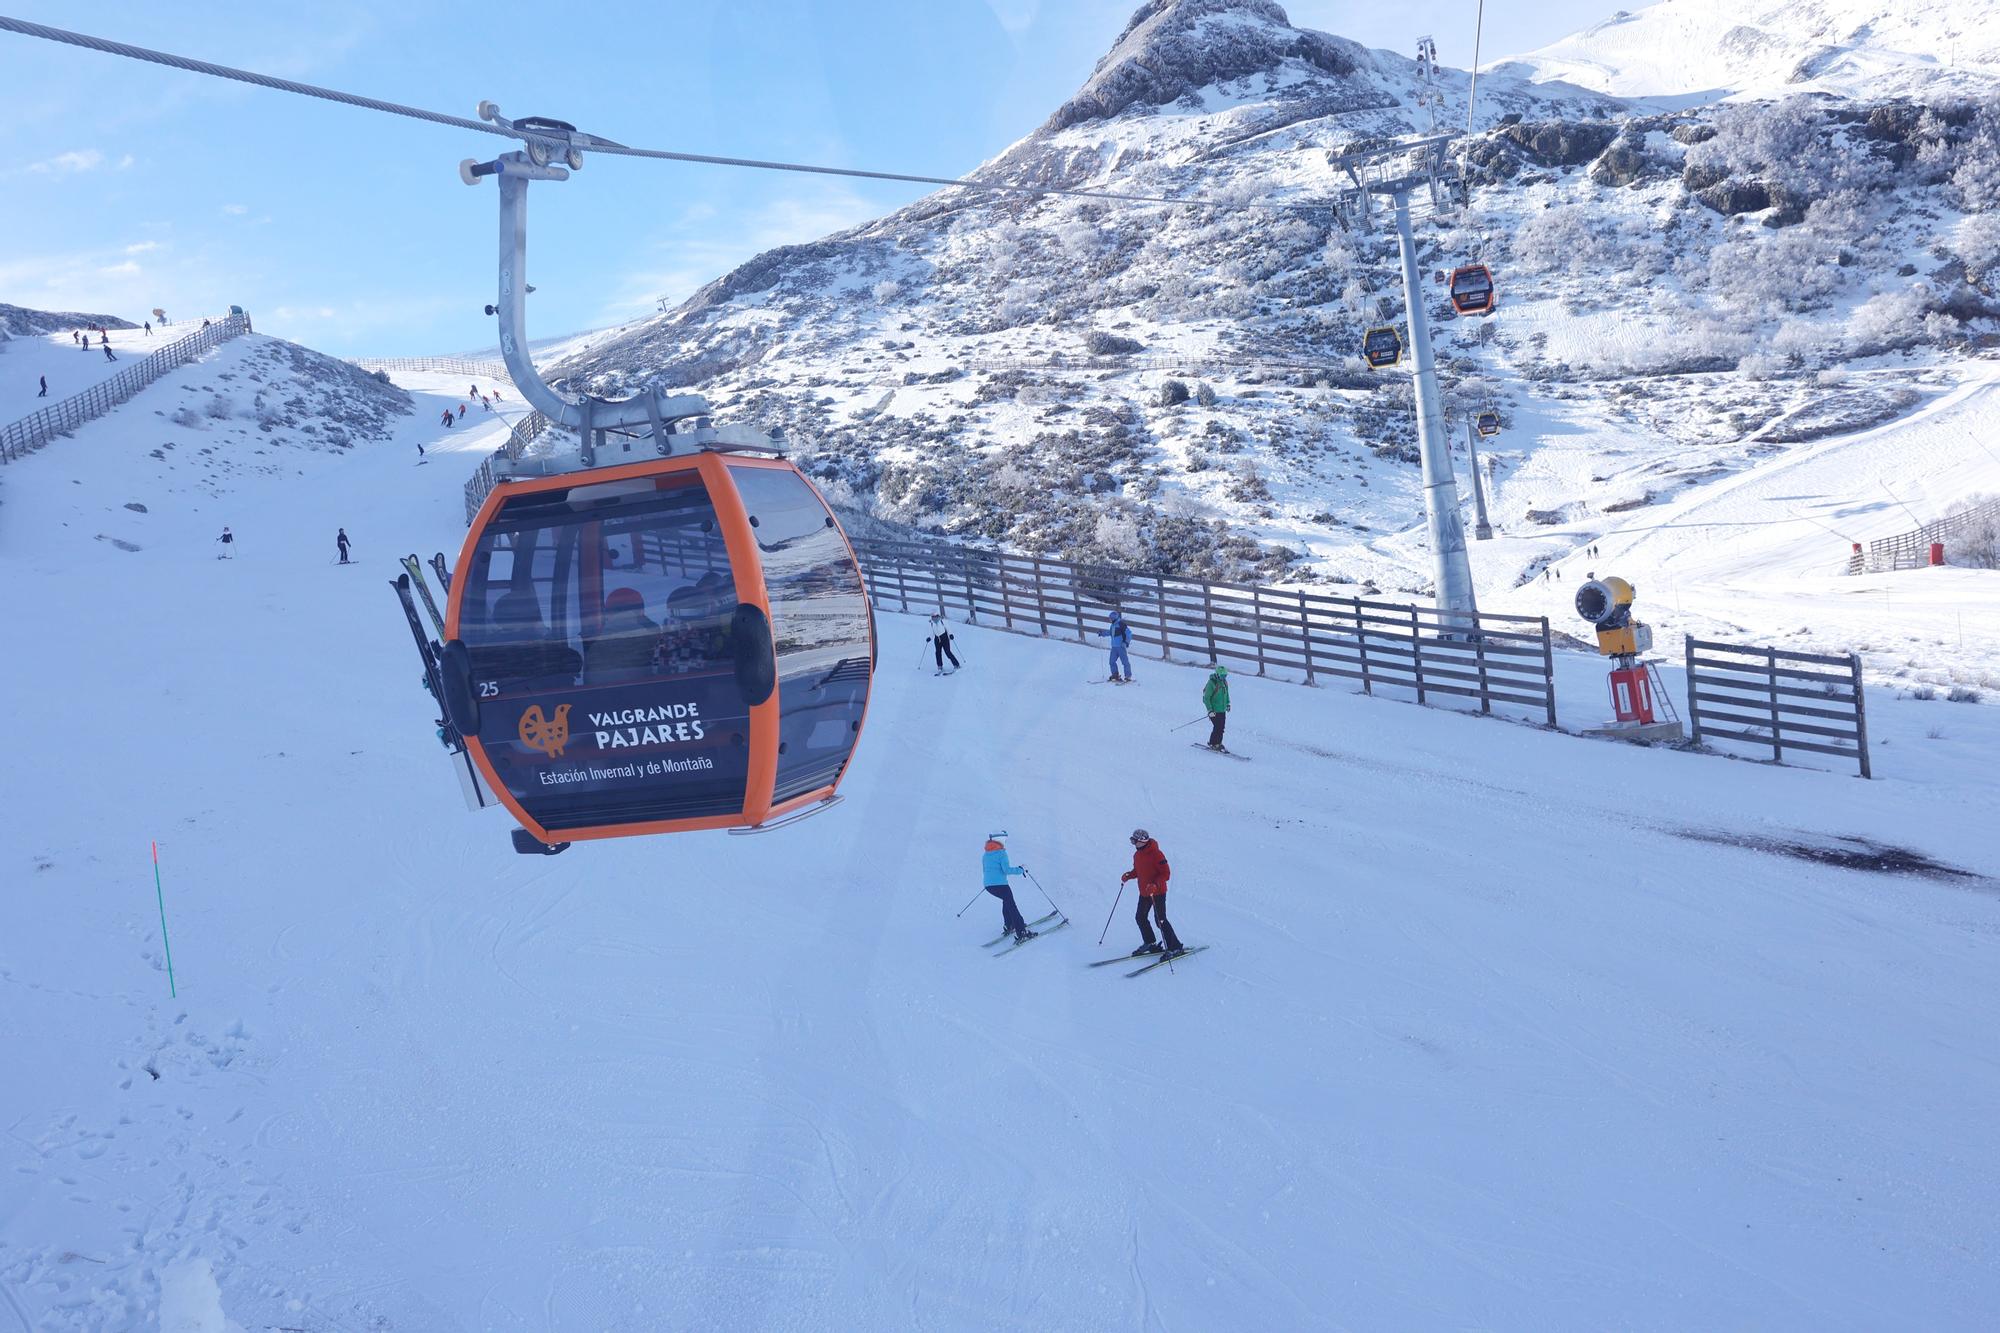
<point>1804,341</point>
<point>1117,537</point>
<point>1792,269</point>
<point>218,408</point>
<point>1975,542</point>
<point>1976,242</point>
<point>186,418</point>
<point>1559,239</point>
<point>888,290</point>
<point>1080,240</point>
<point>1887,321</point>
<point>1763,366</point>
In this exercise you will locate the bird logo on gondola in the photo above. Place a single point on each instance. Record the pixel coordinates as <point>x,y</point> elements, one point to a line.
<point>549,735</point>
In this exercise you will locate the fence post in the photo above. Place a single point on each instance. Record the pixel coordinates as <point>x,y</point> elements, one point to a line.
<point>1479,653</point>
<point>1306,636</point>
<point>1041,598</point>
<point>1006,596</point>
<point>1361,637</point>
<point>1860,713</point>
<point>1160,593</point>
<point>1548,671</point>
<point>1777,742</point>
<point>1417,651</point>
<point>902,586</point>
<point>1208,615</point>
<point>965,570</point>
<point>1694,704</point>
<point>1076,599</point>
<point>1257,616</point>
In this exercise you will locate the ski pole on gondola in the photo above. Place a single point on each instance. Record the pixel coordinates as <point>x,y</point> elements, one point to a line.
<point>1114,910</point>
<point>1045,893</point>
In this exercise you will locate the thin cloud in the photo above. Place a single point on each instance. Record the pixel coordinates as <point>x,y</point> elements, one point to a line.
<point>124,270</point>
<point>142,247</point>
<point>236,210</point>
<point>72,163</point>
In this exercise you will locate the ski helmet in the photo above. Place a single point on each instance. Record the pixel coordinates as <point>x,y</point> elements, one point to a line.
<point>1140,837</point>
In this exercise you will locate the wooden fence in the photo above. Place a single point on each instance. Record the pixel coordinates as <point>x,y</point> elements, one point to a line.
<point>21,438</point>
<point>525,432</point>
<point>1776,697</point>
<point>452,365</point>
<point>1912,550</point>
<point>1487,658</point>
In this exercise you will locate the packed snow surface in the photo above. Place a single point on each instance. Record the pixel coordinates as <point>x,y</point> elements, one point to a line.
<point>1481,1037</point>
<point>1702,49</point>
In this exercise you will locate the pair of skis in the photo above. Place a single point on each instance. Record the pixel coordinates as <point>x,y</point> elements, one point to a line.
<point>1035,926</point>
<point>1163,957</point>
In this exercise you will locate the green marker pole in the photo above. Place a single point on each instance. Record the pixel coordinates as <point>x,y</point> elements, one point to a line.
<point>173,991</point>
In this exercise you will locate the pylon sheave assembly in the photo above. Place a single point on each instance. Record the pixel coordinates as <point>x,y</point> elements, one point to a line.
<point>663,631</point>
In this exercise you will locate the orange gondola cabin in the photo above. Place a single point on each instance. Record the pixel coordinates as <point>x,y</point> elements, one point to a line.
<point>683,643</point>
<point>1472,290</point>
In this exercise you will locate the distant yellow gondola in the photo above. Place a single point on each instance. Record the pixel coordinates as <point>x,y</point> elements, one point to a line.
<point>1382,347</point>
<point>1487,422</point>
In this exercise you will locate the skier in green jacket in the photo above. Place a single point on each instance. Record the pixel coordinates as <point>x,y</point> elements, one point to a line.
<point>1215,698</point>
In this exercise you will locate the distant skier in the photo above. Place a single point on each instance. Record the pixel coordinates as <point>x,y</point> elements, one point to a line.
<point>1150,868</point>
<point>474,391</point>
<point>461,411</point>
<point>1215,698</point>
<point>45,387</point>
<point>420,448</point>
<point>997,868</point>
<point>1120,635</point>
<point>496,395</point>
<point>341,541</point>
<point>228,540</point>
<point>149,328</point>
<point>74,336</point>
<point>940,641</point>
<point>104,337</point>
<point>107,351</point>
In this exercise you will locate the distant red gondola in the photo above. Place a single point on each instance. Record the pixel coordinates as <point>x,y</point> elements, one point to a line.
<point>1472,290</point>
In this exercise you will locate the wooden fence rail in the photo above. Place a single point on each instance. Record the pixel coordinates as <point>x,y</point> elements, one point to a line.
<point>1912,550</point>
<point>524,433</point>
<point>1776,697</point>
<point>21,438</point>
<point>1485,658</point>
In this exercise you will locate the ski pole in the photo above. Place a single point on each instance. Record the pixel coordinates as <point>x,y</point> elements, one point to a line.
<point>1114,908</point>
<point>1185,725</point>
<point>1045,893</point>
<point>968,907</point>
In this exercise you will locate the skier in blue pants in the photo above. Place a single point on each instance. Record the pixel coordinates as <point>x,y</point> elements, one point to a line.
<point>1120,635</point>
<point>997,868</point>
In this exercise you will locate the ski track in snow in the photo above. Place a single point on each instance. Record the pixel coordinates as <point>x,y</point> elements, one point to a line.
<point>1479,1039</point>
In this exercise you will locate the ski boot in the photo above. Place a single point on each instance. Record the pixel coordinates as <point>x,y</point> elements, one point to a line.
<point>1147,948</point>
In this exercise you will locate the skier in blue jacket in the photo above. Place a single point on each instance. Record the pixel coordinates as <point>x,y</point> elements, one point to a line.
<point>1120,635</point>
<point>997,868</point>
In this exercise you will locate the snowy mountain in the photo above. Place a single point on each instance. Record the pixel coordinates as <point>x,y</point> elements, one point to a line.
<point>21,322</point>
<point>1180,388</point>
<point>1703,50</point>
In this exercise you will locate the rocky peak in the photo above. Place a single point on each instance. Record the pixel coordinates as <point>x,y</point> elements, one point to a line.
<point>1174,48</point>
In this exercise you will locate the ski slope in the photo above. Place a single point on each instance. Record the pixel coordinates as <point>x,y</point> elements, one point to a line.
<point>70,369</point>
<point>1760,556</point>
<point>1481,1039</point>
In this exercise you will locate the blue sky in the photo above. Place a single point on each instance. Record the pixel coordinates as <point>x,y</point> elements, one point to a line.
<point>126,186</point>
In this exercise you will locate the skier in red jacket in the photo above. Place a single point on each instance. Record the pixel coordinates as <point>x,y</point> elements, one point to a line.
<point>1150,868</point>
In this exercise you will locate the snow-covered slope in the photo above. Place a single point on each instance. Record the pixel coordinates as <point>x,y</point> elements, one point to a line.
<point>68,366</point>
<point>21,322</point>
<point>1481,1039</point>
<point>1702,50</point>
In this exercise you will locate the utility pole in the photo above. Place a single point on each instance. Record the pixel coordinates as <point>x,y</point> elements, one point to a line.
<point>1481,529</point>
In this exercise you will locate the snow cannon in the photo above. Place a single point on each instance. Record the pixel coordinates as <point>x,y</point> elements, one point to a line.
<point>1636,690</point>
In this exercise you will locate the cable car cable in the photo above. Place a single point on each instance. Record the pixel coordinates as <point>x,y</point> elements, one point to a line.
<point>593,144</point>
